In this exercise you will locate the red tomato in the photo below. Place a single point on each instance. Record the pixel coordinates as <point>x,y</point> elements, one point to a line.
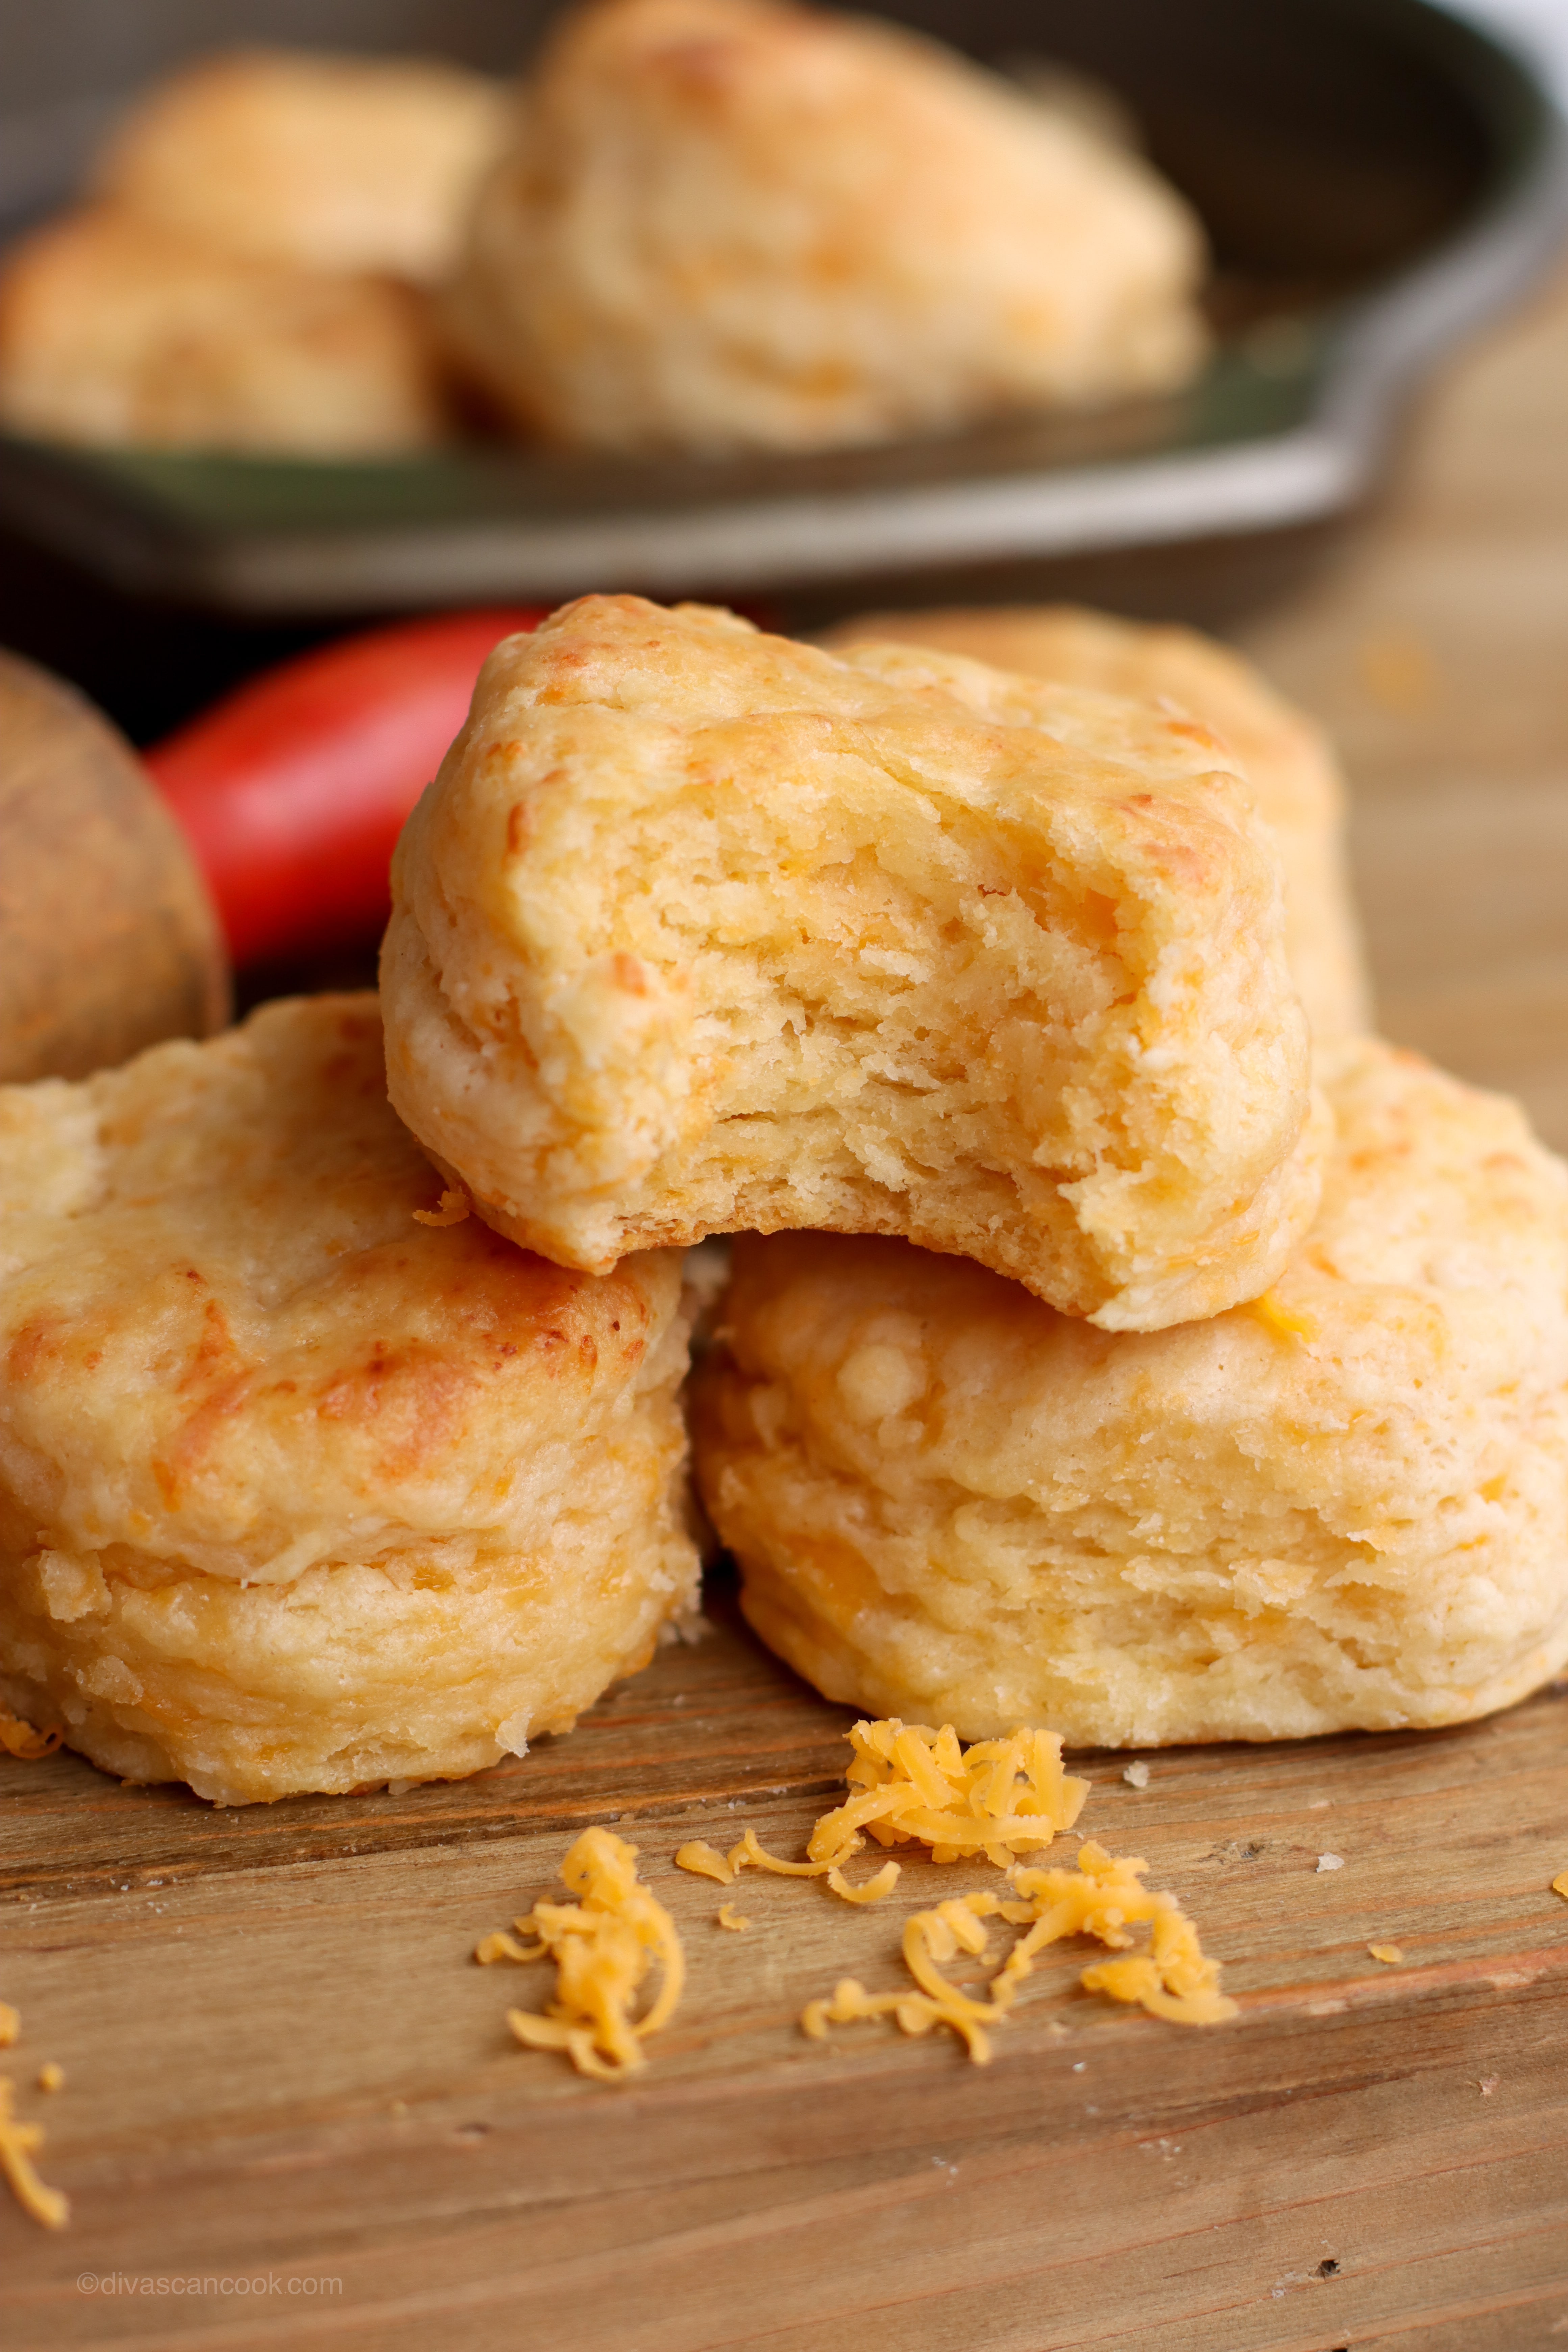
<point>294,787</point>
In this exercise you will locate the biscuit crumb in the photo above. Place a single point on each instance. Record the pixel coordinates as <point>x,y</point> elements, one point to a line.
<point>1487,2086</point>
<point>1331,1862</point>
<point>1136,1776</point>
<point>1389,1953</point>
<point>453,1207</point>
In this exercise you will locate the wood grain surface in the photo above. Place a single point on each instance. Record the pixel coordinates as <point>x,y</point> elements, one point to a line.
<point>293,2116</point>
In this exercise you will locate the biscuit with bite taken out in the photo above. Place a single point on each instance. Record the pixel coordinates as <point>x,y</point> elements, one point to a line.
<point>701,930</point>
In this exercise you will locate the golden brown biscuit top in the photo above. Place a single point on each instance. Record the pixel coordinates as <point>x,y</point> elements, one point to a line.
<point>620,656</point>
<point>737,223</point>
<point>1284,752</point>
<point>616,719</point>
<point>226,1339</point>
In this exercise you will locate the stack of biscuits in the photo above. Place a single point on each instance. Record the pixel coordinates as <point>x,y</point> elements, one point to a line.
<point>1117,1336</point>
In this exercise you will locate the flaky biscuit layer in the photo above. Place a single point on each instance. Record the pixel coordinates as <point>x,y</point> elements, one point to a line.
<point>297,1492</point>
<point>1346,1508</point>
<point>701,930</point>
<point>1286,756</point>
<point>731,224</point>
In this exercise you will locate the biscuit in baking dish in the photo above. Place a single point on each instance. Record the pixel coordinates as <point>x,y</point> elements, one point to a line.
<point>298,1492</point>
<point>114,331</point>
<point>1346,1506</point>
<point>732,224</point>
<point>1286,756</point>
<point>329,163</point>
<point>701,930</point>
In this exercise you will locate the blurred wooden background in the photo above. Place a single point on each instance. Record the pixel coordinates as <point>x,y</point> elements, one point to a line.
<point>1438,651</point>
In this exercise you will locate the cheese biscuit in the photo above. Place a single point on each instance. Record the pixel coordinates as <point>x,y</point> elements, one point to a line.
<point>1343,1507</point>
<point>116,330</point>
<point>348,163</point>
<point>701,930</point>
<point>308,1480</point>
<point>737,224</point>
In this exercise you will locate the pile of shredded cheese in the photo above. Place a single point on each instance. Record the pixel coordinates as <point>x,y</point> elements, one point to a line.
<point>18,2142</point>
<point>1001,1798</point>
<point>1103,1898</point>
<point>601,1946</point>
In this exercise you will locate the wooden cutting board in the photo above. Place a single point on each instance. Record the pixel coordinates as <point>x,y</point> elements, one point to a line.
<point>293,2116</point>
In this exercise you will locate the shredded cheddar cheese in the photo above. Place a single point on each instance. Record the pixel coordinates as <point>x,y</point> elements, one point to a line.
<point>1103,1898</point>
<point>1285,1322</point>
<point>19,1738</point>
<point>451,1209</point>
<point>18,2143</point>
<point>873,1889</point>
<point>1389,1953</point>
<point>1560,1884</point>
<point>748,1853</point>
<point>601,1947</point>
<point>1171,1979</point>
<point>704,1861</point>
<point>51,2076</point>
<point>10,2024</point>
<point>931,1939</point>
<point>1001,1798</point>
